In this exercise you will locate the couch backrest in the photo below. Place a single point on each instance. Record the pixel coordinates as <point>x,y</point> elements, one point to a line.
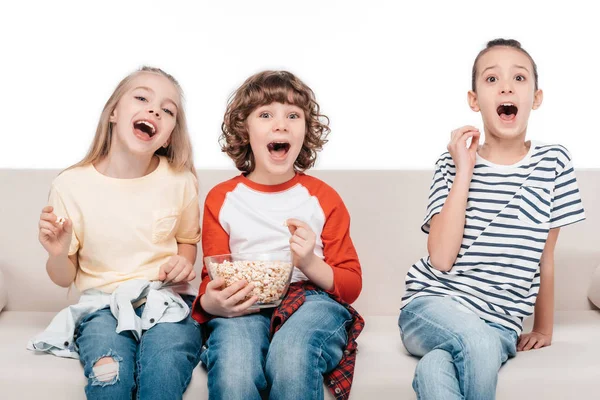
<point>386,208</point>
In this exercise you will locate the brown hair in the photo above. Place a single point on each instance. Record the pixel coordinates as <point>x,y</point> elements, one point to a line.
<point>178,152</point>
<point>265,88</point>
<point>506,43</point>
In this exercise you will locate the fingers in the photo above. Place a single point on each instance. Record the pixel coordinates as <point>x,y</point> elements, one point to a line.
<point>298,240</point>
<point>475,142</point>
<point>178,269</point>
<point>239,296</point>
<point>233,288</point>
<point>47,209</point>
<point>215,284</point>
<point>302,233</point>
<point>530,343</point>
<point>67,226</point>
<point>50,217</point>
<point>187,274</point>
<point>293,224</point>
<point>242,309</point>
<point>49,227</point>
<point>523,341</point>
<point>457,133</point>
<point>296,248</point>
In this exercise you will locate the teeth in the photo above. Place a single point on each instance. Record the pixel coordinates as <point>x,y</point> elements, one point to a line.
<point>148,124</point>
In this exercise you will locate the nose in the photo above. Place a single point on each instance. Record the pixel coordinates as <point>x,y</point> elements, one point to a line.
<point>155,113</point>
<point>506,88</point>
<point>280,125</point>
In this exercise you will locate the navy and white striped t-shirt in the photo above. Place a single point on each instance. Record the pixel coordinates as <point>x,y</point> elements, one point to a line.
<point>510,210</point>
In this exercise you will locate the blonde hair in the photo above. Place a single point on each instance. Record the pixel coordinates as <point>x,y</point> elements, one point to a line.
<point>178,152</point>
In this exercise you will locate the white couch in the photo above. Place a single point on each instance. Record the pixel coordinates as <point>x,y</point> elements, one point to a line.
<point>386,208</point>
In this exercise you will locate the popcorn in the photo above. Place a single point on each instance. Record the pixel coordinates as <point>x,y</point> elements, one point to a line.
<point>269,278</point>
<point>60,220</point>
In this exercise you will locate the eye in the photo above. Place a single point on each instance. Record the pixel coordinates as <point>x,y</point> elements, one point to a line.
<point>264,115</point>
<point>491,79</point>
<point>171,113</point>
<point>294,116</point>
<point>520,78</point>
<point>141,98</point>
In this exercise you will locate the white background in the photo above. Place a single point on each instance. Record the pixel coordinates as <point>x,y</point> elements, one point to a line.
<point>392,77</point>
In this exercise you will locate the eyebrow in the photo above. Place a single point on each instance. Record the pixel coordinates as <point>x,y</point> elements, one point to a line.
<point>152,91</point>
<point>515,65</point>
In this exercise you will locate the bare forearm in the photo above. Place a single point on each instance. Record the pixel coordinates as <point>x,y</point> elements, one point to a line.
<point>445,236</point>
<point>61,270</point>
<point>544,305</point>
<point>319,273</point>
<point>189,251</point>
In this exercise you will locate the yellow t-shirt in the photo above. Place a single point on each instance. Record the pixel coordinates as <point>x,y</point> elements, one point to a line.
<point>126,228</point>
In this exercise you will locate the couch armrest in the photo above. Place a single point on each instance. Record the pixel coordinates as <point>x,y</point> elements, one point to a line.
<point>594,290</point>
<point>3,294</point>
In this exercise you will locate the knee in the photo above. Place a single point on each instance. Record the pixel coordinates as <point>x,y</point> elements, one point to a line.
<point>434,363</point>
<point>105,371</point>
<point>482,349</point>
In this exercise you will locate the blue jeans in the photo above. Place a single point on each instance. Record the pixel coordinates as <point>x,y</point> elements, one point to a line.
<point>243,365</point>
<point>461,354</point>
<point>160,366</point>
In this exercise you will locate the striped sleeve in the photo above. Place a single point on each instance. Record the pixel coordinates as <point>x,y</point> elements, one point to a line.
<point>567,207</point>
<point>438,192</point>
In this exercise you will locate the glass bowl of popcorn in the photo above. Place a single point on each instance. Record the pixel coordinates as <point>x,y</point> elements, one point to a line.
<point>270,273</point>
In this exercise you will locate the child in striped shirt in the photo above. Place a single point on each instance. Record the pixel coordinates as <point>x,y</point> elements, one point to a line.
<point>493,219</point>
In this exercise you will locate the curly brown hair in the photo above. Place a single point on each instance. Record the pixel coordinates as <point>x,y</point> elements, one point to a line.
<point>265,88</point>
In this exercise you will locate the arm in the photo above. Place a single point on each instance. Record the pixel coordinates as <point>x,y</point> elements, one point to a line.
<point>447,228</point>
<point>212,300</point>
<point>188,251</point>
<point>339,273</point>
<point>62,269</point>
<point>541,335</point>
<point>56,239</point>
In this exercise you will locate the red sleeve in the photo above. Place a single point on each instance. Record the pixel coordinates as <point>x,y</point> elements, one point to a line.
<point>338,250</point>
<point>214,241</point>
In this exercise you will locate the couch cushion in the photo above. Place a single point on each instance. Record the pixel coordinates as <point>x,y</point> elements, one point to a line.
<point>594,290</point>
<point>571,366</point>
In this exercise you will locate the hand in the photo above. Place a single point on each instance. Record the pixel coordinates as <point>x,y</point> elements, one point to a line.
<point>464,157</point>
<point>533,340</point>
<point>229,302</point>
<point>177,269</point>
<point>302,243</point>
<point>54,236</point>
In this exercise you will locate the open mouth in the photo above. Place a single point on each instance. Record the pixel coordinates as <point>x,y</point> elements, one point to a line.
<point>507,111</point>
<point>144,128</point>
<point>278,149</point>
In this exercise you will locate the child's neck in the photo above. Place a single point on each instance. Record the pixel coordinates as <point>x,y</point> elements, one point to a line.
<point>265,178</point>
<point>127,166</point>
<point>504,151</point>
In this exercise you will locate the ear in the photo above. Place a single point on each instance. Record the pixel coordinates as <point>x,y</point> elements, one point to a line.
<point>537,99</point>
<point>472,99</point>
<point>113,116</point>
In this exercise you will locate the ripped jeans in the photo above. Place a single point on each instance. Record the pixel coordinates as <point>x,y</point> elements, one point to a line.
<point>159,366</point>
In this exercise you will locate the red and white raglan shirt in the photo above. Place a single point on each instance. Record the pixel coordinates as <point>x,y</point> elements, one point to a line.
<point>241,216</point>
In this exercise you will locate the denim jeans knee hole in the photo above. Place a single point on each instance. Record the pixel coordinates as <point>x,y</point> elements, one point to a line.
<point>105,371</point>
